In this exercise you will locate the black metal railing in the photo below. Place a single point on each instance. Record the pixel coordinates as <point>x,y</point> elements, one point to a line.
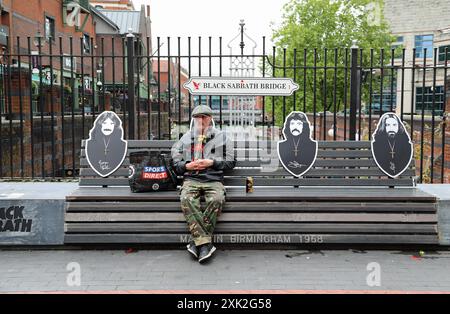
<point>50,95</point>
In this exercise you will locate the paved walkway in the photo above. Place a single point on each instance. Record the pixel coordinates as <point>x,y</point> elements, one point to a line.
<point>237,270</point>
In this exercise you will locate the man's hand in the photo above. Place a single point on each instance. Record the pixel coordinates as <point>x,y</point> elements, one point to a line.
<point>204,163</point>
<point>191,166</point>
<point>199,164</point>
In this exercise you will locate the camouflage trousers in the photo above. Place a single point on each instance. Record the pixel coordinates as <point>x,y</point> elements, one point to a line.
<point>202,221</point>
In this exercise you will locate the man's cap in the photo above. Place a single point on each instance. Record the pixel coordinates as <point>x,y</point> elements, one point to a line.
<point>202,110</point>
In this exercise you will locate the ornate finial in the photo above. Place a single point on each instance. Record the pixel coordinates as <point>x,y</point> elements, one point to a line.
<point>242,44</point>
<point>130,33</point>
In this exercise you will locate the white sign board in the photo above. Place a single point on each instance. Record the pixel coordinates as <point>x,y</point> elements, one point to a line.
<point>235,86</point>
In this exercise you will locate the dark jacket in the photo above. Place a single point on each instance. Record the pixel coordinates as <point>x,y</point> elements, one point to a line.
<point>218,147</point>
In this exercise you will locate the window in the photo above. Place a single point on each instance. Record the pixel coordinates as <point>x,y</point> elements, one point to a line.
<point>387,100</point>
<point>86,43</point>
<point>426,102</point>
<point>398,45</point>
<point>424,42</point>
<point>215,103</point>
<point>442,53</point>
<point>49,28</point>
<point>204,100</point>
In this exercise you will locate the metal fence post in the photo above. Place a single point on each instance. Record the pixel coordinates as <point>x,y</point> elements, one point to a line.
<point>131,104</point>
<point>354,84</point>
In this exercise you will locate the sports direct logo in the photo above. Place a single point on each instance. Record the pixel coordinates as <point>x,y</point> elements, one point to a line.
<point>154,173</point>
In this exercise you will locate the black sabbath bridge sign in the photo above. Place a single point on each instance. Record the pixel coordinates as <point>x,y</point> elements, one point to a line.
<point>236,86</point>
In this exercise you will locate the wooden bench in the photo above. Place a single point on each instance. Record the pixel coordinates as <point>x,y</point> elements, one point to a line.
<point>344,198</point>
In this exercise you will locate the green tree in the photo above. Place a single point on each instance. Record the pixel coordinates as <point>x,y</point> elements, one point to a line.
<point>323,31</point>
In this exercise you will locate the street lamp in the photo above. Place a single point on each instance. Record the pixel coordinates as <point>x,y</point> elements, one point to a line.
<point>99,73</point>
<point>101,104</point>
<point>38,42</point>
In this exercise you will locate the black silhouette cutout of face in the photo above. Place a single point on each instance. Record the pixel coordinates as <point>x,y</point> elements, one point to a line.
<point>107,127</point>
<point>296,127</point>
<point>298,151</point>
<point>391,127</point>
<point>296,124</point>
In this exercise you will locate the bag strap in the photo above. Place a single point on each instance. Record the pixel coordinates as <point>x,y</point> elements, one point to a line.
<point>172,175</point>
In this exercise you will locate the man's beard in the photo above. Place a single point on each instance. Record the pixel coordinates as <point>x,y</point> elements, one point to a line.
<point>297,132</point>
<point>391,134</point>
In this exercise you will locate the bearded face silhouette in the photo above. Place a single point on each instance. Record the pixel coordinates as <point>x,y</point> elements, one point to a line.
<point>106,148</point>
<point>296,127</point>
<point>392,148</point>
<point>391,126</point>
<point>298,151</point>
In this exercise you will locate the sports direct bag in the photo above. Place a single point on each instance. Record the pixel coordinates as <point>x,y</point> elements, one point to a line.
<point>151,172</point>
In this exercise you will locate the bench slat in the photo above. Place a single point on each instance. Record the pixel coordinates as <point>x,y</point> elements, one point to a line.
<point>235,181</point>
<point>264,194</point>
<point>318,182</point>
<point>332,163</point>
<point>254,217</point>
<point>88,172</point>
<point>285,239</point>
<point>320,172</point>
<point>260,227</point>
<point>258,207</point>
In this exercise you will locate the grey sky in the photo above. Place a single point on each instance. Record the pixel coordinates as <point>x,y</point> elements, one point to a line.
<point>213,17</point>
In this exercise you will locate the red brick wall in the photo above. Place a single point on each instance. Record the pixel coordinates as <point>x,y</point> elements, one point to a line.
<point>26,15</point>
<point>24,18</point>
<point>118,61</point>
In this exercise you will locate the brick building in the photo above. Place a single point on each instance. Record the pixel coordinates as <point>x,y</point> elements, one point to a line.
<point>69,27</point>
<point>50,92</point>
<point>420,24</point>
<point>176,75</point>
<point>112,27</point>
<point>38,27</point>
<point>113,4</point>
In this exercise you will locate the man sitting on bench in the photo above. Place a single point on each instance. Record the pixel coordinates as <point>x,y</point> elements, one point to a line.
<point>201,156</point>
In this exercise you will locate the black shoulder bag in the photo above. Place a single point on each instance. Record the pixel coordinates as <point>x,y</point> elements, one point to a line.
<point>151,172</point>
